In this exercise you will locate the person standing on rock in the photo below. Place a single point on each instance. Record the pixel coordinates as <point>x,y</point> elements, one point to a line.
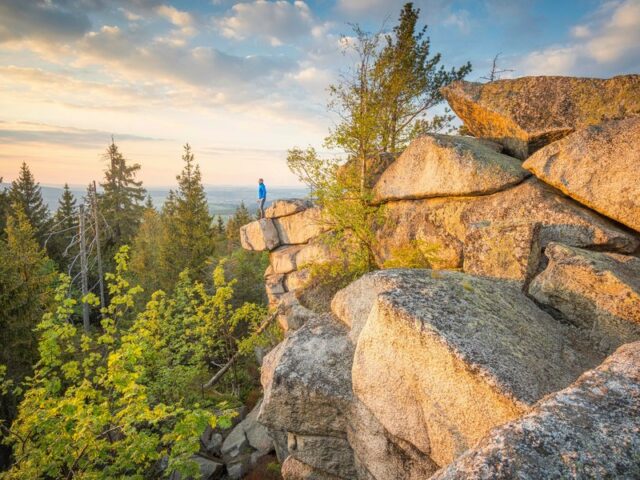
<point>262,197</point>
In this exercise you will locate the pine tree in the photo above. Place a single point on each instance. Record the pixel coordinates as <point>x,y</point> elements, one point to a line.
<point>240,217</point>
<point>65,222</point>
<point>149,203</point>
<point>121,202</point>
<point>26,279</point>
<point>5,204</point>
<point>188,225</point>
<point>26,193</point>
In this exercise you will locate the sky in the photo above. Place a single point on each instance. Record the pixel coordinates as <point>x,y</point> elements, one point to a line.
<point>244,81</point>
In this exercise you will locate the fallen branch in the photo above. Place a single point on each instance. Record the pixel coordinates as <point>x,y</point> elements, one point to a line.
<point>216,378</point>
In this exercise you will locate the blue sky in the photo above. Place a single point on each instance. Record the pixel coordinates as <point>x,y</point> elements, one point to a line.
<point>244,81</point>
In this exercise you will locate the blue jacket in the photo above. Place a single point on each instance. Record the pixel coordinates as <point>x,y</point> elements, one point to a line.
<point>262,191</point>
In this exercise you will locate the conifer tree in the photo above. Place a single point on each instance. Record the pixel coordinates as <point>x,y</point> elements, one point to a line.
<point>188,225</point>
<point>240,217</point>
<point>121,202</point>
<point>147,263</point>
<point>65,222</point>
<point>220,226</point>
<point>26,193</point>
<point>4,208</point>
<point>26,279</point>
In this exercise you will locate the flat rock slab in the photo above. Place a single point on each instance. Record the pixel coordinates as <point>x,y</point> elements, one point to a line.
<point>598,166</point>
<point>588,430</point>
<point>446,222</point>
<point>509,251</point>
<point>307,380</point>
<point>455,355</point>
<point>259,235</point>
<point>528,113</point>
<point>288,206</point>
<point>446,165</point>
<point>300,227</point>
<point>599,292</point>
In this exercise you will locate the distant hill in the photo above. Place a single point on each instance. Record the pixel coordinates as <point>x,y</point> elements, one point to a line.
<point>223,199</point>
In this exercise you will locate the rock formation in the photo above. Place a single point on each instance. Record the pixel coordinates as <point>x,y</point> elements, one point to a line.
<point>528,113</point>
<point>493,363</point>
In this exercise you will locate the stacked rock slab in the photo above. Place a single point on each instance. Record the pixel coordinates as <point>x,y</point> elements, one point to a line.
<point>525,114</point>
<point>472,373</point>
<point>287,233</point>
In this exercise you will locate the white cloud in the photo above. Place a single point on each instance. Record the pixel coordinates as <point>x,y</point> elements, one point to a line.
<point>278,22</point>
<point>460,20</point>
<point>607,45</point>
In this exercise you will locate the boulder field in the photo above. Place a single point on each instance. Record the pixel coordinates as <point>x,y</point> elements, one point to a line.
<point>517,354</point>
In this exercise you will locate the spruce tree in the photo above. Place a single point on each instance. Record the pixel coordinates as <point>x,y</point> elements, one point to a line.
<point>65,222</point>
<point>240,217</point>
<point>220,226</point>
<point>188,224</point>
<point>5,203</point>
<point>25,192</point>
<point>26,279</point>
<point>147,263</point>
<point>121,203</point>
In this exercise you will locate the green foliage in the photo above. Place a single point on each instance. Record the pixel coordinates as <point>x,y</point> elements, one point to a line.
<point>147,261</point>
<point>121,201</point>
<point>414,254</point>
<point>87,412</point>
<point>65,221</point>
<point>188,225</point>
<point>26,282</point>
<point>248,270</point>
<point>5,205</point>
<point>240,217</point>
<point>25,194</point>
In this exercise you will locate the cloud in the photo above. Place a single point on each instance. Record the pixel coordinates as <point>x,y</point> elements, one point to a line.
<point>380,11</point>
<point>606,45</point>
<point>184,21</point>
<point>47,20</point>
<point>278,22</point>
<point>460,20</point>
<point>29,132</point>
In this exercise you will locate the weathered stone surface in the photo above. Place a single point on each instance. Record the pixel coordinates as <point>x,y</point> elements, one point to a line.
<point>329,454</point>
<point>286,206</point>
<point>300,227</point>
<point>527,113</point>
<point>274,284</point>
<point>293,469</point>
<point>209,469</point>
<point>445,222</point>
<point>445,166</point>
<point>257,435</point>
<point>599,292</point>
<point>297,280</point>
<point>379,455</point>
<point>259,235</point>
<point>293,315</point>
<point>283,259</point>
<point>307,380</point>
<point>315,252</point>
<point>485,353</point>
<point>588,430</point>
<point>598,166</point>
<point>509,251</point>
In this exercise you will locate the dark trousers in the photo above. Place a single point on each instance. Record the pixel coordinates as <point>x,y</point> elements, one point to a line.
<point>261,207</point>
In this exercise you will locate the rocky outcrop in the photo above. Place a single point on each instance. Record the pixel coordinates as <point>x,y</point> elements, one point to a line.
<point>446,223</point>
<point>594,165</point>
<point>486,353</point>
<point>528,113</point>
<point>424,170</point>
<point>283,207</point>
<point>588,430</point>
<point>598,292</point>
<point>259,235</point>
<point>471,373</point>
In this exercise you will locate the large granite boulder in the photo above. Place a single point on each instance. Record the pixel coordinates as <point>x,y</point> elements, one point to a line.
<point>446,222</point>
<point>379,455</point>
<point>259,235</point>
<point>445,166</point>
<point>329,454</point>
<point>307,380</point>
<point>288,206</point>
<point>456,355</point>
<point>598,166</point>
<point>599,292</point>
<point>300,227</point>
<point>588,430</point>
<point>293,469</point>
<point>283,259</point>
<point>528,113</point>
